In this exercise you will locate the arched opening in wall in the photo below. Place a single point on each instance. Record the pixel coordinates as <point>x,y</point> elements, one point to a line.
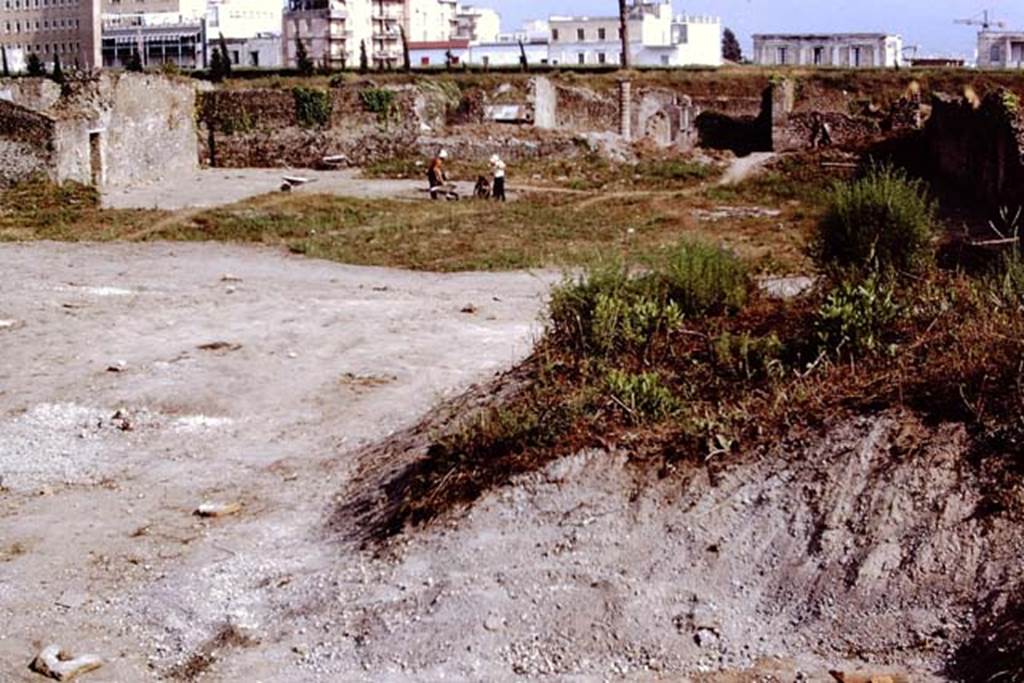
<point>742,135</point>
<point>658,128</point>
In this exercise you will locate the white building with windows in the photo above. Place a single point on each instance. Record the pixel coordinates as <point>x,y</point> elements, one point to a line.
<point>1001,49</point>
<point>68,30</point>
<point>845,50</point>
<point>657,37</point>
<point>477,24</point>
<point>243,18</point>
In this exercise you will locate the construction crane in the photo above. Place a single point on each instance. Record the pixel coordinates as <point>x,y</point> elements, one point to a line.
<point>981,19</point>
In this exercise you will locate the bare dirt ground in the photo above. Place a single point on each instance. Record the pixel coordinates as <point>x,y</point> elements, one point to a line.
<point>139,381</point>
<point>213,187</point>
<point>115,425</point>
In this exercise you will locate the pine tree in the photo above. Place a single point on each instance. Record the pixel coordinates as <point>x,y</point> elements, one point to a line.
<point>225,58</point>
<point>216,66</point>
<point>406,60</point>
<point>35,66</point>
<point>624,33</point>
<point>524,63</point>
<point>364,61</point>
<point>135,62</point>
<point>58,71</point>
<point>303,63</point>
<point>7,68</point>
<point>731,50</point>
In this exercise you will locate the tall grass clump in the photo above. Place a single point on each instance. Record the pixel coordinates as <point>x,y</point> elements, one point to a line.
<point>703,279</point>
<point>884,220</point>
<point>614,309</point>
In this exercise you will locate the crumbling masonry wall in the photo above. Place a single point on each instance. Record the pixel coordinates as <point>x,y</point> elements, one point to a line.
<point>113,130</point>
<point>26,142</point>
<point>979,147</point>
<point>262,127</point>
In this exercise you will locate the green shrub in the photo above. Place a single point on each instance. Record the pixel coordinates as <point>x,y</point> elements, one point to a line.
<point>642,395</point>
<point>609,310</point>
<point>855,317</point>
<point>884,220</point>
<point>743,355</point>
<point>703,279</point>
<point>313,107</point>
<point>673,170</point>
<point>629,320</point>
<point>378,101</point>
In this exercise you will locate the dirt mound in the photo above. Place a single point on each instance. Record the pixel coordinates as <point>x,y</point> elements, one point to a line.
<point>871,547</point>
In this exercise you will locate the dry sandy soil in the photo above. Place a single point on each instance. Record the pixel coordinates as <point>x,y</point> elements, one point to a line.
<point>212,187</point>
<point>863,548</point>
<point>99,547</point>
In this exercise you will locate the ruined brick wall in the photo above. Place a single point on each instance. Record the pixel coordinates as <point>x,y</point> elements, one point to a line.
<point>149,129</point>
<point>805,115</point>
<point>583,110</point>
<point>26,143</point>
<point>979,148</point>
<point>262,128</point>
<point>142,126</point>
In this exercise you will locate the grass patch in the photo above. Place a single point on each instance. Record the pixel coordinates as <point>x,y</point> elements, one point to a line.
<point>538,230</point>
<point>39,209</point>
<point>584,171</point>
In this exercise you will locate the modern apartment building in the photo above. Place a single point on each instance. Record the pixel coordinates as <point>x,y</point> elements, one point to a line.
<point>477,24</point>
<point>1000,49</point>
<point>657,38</point>
<point>159,31</point>
<point>335,31</point>
<point>238,19</point>
<point>68,29</point>
<point>846,50</point>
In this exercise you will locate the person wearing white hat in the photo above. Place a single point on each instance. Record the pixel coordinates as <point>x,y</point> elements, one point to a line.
<point>498,172</point>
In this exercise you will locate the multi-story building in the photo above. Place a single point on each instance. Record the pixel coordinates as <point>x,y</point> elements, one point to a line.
<point>477,24</point>
<point>1000,49</point>
<point>158,38</point>
<point>237,19</point>
<point>331,31</point>
<point>159,31</point>
<point>656,38</point>
<point>334,32</point>
<point>69,30</point>
<point>262,51</point>
<point>847,50</point>
<point>192,9</point>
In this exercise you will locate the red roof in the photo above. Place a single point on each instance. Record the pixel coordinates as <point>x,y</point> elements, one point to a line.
<point>440,45</point>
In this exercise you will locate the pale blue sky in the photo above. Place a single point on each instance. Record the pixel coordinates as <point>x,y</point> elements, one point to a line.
<point>927,23</point>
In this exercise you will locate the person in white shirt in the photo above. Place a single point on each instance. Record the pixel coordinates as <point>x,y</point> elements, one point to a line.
<point>498,172</point>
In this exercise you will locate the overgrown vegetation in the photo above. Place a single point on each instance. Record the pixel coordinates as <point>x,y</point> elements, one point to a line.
<point>380,101</point>
<point>673,353</point>
<point>313,107</point>
<point>884,220</point>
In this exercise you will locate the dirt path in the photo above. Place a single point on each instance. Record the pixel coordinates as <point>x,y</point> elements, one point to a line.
<point>220,186</point>
<point>115,425</point>
<point>745,167</point>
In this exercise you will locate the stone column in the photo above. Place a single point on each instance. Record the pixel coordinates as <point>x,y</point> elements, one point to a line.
<point>625,110</point>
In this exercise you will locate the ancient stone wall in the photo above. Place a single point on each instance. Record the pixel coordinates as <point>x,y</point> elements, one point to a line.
<point>583,110</point>
<point>980,148</point>
<point>26,143</point>
<point>264,127</point>
<point>113,130</point>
